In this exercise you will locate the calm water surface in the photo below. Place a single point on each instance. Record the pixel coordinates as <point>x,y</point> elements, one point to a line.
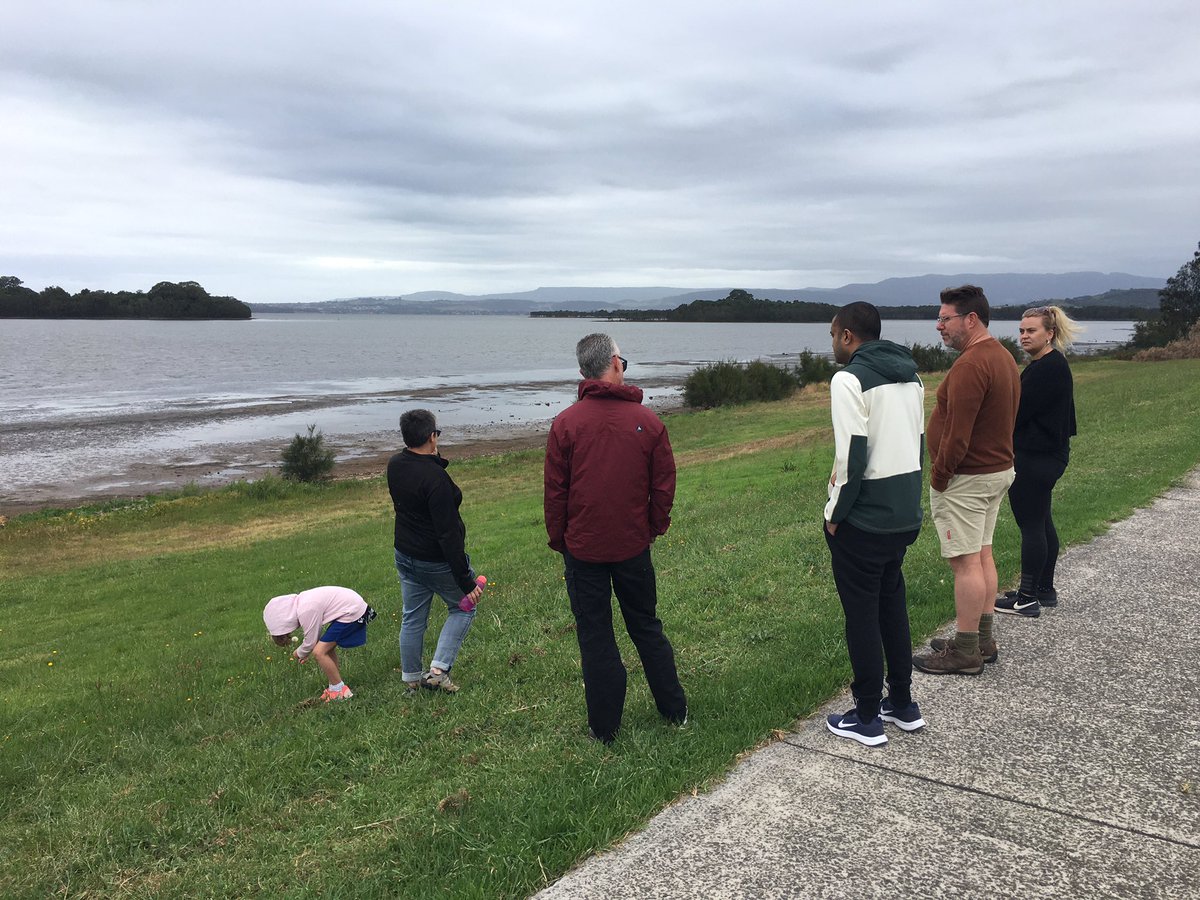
<point>92,401</point>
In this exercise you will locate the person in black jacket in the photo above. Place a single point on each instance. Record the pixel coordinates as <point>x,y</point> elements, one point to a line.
<point>1042,445</point>
<point>430,546</point>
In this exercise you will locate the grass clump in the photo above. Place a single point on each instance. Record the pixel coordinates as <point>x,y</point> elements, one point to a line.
<point>154,743</point>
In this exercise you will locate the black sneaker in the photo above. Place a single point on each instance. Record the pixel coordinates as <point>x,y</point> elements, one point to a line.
<point>906,719</point>
<point>1048,597</point>
<point>1019,605</point>
<point>849,726</point>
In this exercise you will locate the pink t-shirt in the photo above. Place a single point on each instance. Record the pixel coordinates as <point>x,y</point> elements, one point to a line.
<point>311,610</point>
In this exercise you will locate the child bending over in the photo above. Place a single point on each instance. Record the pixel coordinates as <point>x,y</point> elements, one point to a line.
<point>309,610</point>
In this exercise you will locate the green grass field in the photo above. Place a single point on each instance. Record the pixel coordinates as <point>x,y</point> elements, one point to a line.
<point>153,742</point>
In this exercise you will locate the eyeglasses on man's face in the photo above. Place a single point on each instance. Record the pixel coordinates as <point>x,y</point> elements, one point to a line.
<point>942,320</point>
<point>624,362</point>
<point>437,432</point>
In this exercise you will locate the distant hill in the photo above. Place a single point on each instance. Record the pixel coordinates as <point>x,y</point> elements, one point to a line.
<point>1010,289</point>
<point>1142,298</point>
<point>921,290</point>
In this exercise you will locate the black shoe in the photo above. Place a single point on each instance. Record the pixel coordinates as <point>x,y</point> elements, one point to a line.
<point>1047,597</point>
<point>1019,605</point>
<point>595,737</point>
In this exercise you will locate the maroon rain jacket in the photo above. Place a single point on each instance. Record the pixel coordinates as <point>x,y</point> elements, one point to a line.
<point>610,475</point>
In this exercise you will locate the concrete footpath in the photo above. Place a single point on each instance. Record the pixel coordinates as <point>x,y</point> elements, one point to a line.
<point>1071,768</point>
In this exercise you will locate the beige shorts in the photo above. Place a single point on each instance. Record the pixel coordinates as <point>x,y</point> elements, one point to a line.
<point>965,513</point>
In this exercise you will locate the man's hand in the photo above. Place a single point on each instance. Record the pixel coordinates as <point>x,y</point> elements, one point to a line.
<point>831,527</point>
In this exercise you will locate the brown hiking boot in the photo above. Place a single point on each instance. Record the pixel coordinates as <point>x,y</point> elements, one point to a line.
<point>948,661</point>
<point>989,650</point>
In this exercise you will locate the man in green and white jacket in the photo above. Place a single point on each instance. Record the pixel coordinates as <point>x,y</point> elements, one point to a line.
<point>873,515</point>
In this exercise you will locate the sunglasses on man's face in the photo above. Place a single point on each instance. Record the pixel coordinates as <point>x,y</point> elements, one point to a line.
<point>624,363</point>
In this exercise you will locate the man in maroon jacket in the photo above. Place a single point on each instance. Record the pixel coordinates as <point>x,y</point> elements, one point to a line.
<point>609,486</point>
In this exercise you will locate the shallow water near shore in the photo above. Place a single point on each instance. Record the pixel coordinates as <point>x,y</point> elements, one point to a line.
<point>91,409</point>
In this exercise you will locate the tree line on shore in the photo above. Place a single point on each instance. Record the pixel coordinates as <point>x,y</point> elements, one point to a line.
<point>166,300</point>
<point>742,306</point>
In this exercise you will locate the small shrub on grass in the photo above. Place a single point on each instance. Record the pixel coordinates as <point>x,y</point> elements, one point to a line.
<point>1011,345</point>
<point>932,358</point>
<point>307,458</point>
<point>937,358</point>
<point>813,368</point>
<point>730,383</point>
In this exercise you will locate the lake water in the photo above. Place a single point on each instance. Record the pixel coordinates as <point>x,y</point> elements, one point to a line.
<point>97,405</point>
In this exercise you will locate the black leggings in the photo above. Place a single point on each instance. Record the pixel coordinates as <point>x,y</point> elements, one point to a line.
<point>1029,497</point>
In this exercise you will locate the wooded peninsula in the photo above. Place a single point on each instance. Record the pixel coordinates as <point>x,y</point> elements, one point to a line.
<point>166,300</point>
<point>742,306</point>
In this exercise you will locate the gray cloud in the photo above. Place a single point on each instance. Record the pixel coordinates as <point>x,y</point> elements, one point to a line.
<point>302,150</point>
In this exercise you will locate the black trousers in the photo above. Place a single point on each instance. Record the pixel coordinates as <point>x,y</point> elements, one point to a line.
<point>870,583</point>
<point>1029,496</point>
<point>591,586</point>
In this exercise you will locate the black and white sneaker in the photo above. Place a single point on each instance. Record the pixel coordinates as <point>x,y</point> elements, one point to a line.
<point>906,719</point>
<point>849,726</point>
<point>1019,605</point>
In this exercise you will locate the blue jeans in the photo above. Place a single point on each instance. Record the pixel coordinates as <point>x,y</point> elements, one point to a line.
<point>419,581</point>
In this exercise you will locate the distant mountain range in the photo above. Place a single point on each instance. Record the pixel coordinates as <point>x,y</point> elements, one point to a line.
<point>1010,289</point>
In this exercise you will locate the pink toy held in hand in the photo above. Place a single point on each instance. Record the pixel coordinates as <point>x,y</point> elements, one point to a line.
<point>466,604</point>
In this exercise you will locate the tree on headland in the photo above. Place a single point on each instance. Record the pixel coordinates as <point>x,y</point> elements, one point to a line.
<point>1178,308</point>
<point>166,300</point>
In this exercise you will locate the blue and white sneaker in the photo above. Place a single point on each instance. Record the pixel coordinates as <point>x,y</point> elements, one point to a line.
<point>906,719</point>
<point>849,726</point>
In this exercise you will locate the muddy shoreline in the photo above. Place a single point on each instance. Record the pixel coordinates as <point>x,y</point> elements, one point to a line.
<point>215,465</point>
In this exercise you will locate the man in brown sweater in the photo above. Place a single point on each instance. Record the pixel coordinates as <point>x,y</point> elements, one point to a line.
<point>971,467</point>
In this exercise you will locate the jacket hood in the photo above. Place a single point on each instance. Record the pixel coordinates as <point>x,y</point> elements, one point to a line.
<point>603,390</point>
<point>280,615</point>
<point>891,361</point>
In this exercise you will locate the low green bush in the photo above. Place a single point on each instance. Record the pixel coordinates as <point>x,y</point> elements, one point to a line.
<point>307,458</point>
<point>730,383</point>
<point>931,358</point>
<point>938,358</point>
<point>814,368</point>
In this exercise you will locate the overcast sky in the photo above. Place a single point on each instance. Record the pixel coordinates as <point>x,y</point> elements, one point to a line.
<point>282,151</point>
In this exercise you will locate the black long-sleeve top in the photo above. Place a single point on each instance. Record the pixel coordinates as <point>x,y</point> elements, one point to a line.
<point>1046,415</point>
<point>428,526</point>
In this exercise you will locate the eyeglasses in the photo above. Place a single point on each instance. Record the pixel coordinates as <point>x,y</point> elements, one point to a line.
<point>437,432</point>
<point>624,363</point>
<point>942,320</point>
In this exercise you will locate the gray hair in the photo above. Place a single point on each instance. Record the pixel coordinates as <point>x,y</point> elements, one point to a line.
<point>417,427</point>
<point>595,353</point>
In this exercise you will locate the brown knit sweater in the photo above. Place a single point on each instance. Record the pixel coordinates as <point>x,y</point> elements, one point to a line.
<point>971,429</point>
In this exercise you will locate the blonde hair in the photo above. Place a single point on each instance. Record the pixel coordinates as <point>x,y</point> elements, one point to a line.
<point>1054,319</point>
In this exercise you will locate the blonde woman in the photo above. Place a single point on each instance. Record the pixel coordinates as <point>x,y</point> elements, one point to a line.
<point>1042,444</point>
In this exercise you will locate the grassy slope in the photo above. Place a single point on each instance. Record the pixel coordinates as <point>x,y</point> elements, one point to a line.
<point>153,742</point>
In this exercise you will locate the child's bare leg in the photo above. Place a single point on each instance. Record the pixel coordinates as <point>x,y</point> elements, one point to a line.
<point>326,657</point>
